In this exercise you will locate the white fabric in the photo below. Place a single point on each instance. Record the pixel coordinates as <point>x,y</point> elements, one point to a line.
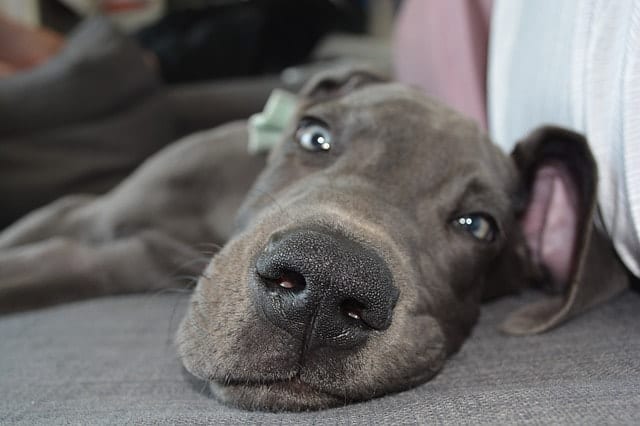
<point>575,64</point>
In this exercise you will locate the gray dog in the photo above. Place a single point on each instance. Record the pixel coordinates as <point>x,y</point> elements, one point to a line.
<point>359,258</point>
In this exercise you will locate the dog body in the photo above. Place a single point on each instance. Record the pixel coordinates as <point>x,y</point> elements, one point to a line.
<point>359,257</point>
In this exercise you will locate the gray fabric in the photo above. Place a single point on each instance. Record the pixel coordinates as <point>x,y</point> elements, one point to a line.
<point>112,361</point>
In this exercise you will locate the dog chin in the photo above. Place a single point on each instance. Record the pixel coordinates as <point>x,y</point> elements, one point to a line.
<point>288,395</point>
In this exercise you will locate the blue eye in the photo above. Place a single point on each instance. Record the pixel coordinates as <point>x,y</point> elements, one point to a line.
<point>479,225</point>
<point>313,135</point>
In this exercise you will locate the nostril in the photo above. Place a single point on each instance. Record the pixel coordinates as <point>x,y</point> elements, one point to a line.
<point>289,280</point>
<point>321,285</point>
<point>352,309</point>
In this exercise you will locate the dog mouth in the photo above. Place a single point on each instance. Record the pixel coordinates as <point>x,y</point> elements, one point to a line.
<point>292,394</point>
<point>295,336</point>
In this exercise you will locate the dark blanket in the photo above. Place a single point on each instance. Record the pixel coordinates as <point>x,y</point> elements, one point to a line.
<point>85,120</point>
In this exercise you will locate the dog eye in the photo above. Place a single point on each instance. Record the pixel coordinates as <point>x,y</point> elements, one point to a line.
<point>479,225</point>
<point>313,135</point>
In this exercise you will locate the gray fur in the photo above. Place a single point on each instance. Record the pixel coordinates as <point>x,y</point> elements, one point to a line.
<point>401,168</point>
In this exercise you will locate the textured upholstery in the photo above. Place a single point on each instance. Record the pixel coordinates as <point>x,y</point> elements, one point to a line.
<point>112,361</point>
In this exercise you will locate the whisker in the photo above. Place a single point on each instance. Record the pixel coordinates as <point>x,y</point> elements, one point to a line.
<point>183,289</point>
<point>205,383</point>
<point>170,328</point>
<point>204,260</point>
<point>204,275</point>
<point>209,245</point>
<point>188,280</point>
<point>173,290</point>
<point>187,274</point>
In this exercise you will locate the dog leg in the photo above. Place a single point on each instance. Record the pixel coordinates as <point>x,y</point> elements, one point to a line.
<point>61,269</point>
<point>53,219</point>
<point>137,237</point>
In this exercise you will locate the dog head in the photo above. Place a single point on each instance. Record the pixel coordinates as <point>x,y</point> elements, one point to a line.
<point>364,250</point>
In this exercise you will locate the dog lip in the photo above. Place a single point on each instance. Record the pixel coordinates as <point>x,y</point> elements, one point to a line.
<point>294,384</point>
<point>259,382</point>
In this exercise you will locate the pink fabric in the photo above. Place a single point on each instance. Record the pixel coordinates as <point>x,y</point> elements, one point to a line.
<point>441,46</point>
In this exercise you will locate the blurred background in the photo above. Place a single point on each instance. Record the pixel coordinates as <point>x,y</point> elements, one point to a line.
<point>91,88</point>
<point>196,40</point>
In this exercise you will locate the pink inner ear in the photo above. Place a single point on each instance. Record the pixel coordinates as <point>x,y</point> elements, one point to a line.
<point>551,220</point>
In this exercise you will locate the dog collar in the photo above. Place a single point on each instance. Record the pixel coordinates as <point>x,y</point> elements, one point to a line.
<point>266,127</point>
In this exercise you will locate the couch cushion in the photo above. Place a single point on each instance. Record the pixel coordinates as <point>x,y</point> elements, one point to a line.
<point>112,361</point>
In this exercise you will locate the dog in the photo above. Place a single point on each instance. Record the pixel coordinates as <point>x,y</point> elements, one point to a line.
<point>362,249</point>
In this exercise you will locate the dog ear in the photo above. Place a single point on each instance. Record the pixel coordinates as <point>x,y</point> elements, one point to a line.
<point>560,177</point>
<point>338,81</point>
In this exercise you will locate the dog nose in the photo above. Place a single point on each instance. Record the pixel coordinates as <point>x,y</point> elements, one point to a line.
<point>321,286</point>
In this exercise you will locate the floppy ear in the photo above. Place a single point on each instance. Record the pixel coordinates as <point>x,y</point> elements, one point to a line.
<point>567,250</point>
<point>339,81</point>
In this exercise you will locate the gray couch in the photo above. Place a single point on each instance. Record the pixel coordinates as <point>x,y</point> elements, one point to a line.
<point>112,361</point>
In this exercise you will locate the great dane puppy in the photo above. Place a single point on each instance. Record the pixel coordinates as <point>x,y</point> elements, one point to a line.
<point>359,258</point>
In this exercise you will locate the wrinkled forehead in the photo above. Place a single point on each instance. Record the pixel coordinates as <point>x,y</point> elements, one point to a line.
<point>393,107</point>
<point>401,116</point>
<point>384,93</point>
